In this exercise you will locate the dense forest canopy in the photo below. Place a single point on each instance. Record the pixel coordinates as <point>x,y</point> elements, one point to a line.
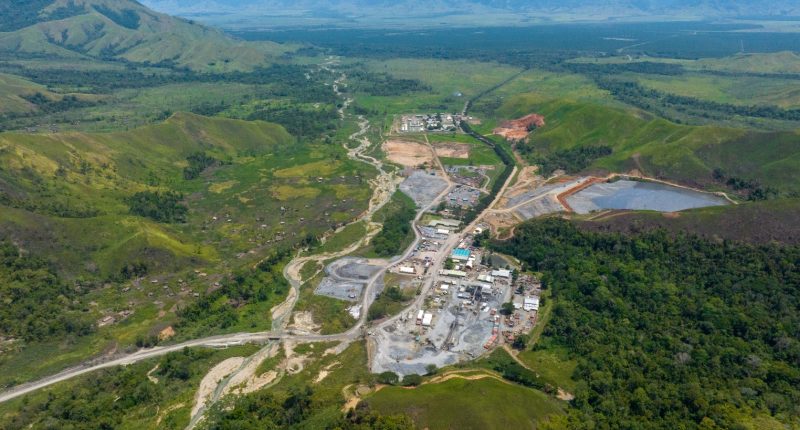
<point>670,332</point>
<point>36,303</point>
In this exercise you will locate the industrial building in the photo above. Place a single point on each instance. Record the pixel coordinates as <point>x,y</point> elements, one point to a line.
<point>460,254</point>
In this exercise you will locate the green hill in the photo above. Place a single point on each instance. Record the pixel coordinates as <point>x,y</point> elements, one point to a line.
<point>13,93</point>
<point>660,148</point>
<point>80,185</point>
<point>152,221</point>
<point>123,29</point>
<point>77,185</point>
<point>468,404</point>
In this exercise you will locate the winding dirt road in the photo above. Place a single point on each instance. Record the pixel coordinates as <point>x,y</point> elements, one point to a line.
<point>384,185</point>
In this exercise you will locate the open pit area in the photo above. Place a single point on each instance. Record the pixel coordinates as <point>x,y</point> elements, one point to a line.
<point>346,278</point>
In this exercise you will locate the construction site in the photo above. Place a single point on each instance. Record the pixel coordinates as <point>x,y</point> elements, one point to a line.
<point>462,317</point>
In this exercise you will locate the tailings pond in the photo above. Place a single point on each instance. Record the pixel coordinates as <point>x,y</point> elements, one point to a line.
<point>635,195</point>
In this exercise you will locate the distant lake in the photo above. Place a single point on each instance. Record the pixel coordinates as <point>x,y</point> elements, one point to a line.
<point>634,195</point>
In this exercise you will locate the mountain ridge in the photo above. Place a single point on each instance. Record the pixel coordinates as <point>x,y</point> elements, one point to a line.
<point>124,30</point>
<point>241,12</point>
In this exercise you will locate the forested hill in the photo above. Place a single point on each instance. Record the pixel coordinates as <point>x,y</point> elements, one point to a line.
<point>121,29</point>
<point>670,331</point>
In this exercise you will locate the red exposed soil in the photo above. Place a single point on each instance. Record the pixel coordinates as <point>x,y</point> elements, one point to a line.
<point>517,130</point>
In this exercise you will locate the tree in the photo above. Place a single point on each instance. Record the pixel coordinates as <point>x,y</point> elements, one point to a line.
<point>507,308</point>
<point>412,380</point>
<point>431,369</point>
<point>520,342</point>
<point>388,378</point>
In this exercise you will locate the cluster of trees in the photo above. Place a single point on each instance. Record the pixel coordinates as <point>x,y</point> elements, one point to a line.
<point>646,98</point>
<point>47,105</point>
<point>382,84</point>
<point>644,67</point>
<point>37,303</point>
<point>198,162</point>
<point>107,398</point>
<point>18,14</point>
<point>571,160</point>
<point>127,18</point>
<point>669,332</point>
<point>410,380</point>
<point>388,302</point>
<point>299,121</point>
<point>266,410</point>
<point>752,188</point>
<point>396,229</point>
<point>219,309</point>
<point>50,206</point>
<point>159,206</point>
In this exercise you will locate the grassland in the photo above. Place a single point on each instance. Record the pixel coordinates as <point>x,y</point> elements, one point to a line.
<point>479,153</point>
<point>658,147</point>
<point>12,90</point>
<point>66,201</point>
<point>785,62</point>
<point>445,77</point>
<point>344,238</point>
<point>739,90</point>
<point>553,365</point>
<point>468,404</point>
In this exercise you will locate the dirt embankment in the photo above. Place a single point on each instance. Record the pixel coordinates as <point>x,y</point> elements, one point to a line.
<point>518,129</point>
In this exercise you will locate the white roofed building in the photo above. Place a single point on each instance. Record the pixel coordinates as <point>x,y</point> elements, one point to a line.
<point>501,273</point>
<point>531,303</point>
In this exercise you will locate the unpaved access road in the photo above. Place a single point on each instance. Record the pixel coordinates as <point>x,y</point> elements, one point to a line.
<point>279,333</point>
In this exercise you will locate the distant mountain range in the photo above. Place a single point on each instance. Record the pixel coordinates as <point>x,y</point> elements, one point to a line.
<point>242,13</point>
<point>120,29</point>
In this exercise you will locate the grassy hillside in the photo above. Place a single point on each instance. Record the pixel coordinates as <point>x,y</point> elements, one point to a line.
<point>13,91</point>
<point>777,62</point>
<point>660,148</point>
<point>66,198</point>
<point>79,182</point>
<point>467,404</point>
<point>124,29</point>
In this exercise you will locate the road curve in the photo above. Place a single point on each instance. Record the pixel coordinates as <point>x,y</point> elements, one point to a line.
<point>222,341</point>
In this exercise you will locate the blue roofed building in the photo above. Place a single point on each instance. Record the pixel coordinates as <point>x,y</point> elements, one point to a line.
<point>460,254</point>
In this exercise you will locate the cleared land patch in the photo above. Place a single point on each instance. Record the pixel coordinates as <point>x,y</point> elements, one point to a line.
<point>407,153</point>
<point>452,150</point>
